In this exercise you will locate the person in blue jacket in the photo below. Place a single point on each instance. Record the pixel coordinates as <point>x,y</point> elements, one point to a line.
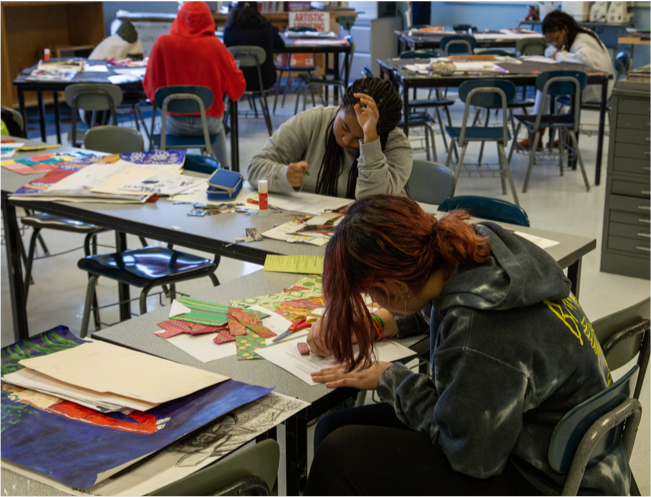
<point>247,26</point>
<point>511,353</point>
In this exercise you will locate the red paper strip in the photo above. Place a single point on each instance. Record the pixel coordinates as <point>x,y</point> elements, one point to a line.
<point>223,337</point>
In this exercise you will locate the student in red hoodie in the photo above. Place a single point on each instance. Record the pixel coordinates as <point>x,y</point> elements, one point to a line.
<point>192,55</point>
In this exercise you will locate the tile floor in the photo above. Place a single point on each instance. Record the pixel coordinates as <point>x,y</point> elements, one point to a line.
<point>553,203</point>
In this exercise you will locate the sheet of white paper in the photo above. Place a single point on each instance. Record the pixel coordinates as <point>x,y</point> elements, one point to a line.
<point>539,58</point>
<point>543,243</point>
<point>178,308</point>
<point>88,68</point>
<point>202,347</point>
<point>418,68</point>
<point>88,177</point>
<point>135,71</point>
<point>128,175</point>
<point>162,183</point>
<point>200,195</point>
<point>477,66</point>
<point>309,203</point>
<point>123,78</point>
<point>287,356</point>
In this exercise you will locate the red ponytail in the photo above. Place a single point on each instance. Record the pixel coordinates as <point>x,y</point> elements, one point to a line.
<point>386,237</point>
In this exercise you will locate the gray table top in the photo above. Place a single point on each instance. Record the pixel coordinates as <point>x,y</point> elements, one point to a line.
<point>138,334</point>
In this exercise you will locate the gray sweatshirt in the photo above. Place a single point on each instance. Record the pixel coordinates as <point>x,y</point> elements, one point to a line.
<point>511,353</point>
<point>303,138</point>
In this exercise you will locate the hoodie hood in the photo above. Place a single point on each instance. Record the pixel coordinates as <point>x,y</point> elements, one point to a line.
<point>516,274</point>
<point>194,19</point>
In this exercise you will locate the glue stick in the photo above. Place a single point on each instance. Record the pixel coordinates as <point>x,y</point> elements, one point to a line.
<point>46,54</point>
<point>263,203</point>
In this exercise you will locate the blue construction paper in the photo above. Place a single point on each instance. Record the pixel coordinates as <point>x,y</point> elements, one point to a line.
<point>156,157</point>
<point>74,452</point>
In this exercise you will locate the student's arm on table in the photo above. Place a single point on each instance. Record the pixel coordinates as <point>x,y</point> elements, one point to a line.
<point>285,148</point>
<point>384,171</point>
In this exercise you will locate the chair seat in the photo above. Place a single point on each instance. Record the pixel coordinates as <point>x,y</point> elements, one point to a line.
<point>175,141</point>
<point>584,105</point>
<point>443,102</point>
<point>548,121</point>
<point>44,220</point>
<point>478,133</point>
<point>139,267</point>
<point>517,103</point>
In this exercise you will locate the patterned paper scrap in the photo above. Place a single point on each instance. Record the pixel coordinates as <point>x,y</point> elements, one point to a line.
<point>223,337</point>
<point>247,345</point>
<point>156,157</point>
<point>312,285</point>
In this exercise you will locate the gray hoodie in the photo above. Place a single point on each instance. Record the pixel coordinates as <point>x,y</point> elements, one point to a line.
<point>303,137</point>
<point>511,353</point>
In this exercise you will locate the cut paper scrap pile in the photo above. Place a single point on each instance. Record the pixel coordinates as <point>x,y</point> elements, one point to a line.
<point>195,316</point>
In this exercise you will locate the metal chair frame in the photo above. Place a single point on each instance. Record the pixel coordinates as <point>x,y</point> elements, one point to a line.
<point>75,110</point>
<point>204,122</point>
<point>535,136</point>
<point>242,53</point>
<point>503,161</point>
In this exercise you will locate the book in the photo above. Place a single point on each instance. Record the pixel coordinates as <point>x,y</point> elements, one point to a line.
<point>56,70</point>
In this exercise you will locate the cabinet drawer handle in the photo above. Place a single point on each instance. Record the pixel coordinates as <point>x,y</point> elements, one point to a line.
<point>646,192</point>
<point>646,249</point>
<point>644,235</point>
<point>648,139</point>
<point>648,154</point>
<point>642,220</point>
<point>647,168</point>
<point>644,207</point>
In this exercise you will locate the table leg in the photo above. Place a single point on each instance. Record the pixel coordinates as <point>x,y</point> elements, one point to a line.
<point>235,139</point>
<point>602,125</point>
<point>335,75</point>
<point>21,105</point>
<point>405,109</point>
<point>123,288</point>
<point>57,124</point>
<point>347,63</point>
<point>572,163</point>
<point>41,115</point>
<point>16,288</point>
<point>574,275</point>
<point>296,452</point>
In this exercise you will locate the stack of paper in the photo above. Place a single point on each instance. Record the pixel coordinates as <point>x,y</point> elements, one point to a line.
<point>56,70</point>
<point>109,378</point>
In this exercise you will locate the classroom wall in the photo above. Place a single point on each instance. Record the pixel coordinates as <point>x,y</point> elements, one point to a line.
<point>499,15</point>
<point>110,8</point>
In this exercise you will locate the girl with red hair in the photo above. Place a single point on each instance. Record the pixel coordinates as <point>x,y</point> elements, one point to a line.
<point>511,352</point>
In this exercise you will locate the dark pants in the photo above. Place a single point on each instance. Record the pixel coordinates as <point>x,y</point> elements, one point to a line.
<point>368,451</point>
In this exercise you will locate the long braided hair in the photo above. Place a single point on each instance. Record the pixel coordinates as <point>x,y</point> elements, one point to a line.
<point>389,105</point>
<point>557,20</point>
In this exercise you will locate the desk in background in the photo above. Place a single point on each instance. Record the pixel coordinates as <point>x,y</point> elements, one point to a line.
<point>433,40</point>
<point>523,74</point>
<point>633,39</point>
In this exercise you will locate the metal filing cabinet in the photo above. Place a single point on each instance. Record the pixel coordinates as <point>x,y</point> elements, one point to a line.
<point>625,245</point>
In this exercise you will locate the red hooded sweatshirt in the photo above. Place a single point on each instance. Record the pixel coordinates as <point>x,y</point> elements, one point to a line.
<point>192,55</point>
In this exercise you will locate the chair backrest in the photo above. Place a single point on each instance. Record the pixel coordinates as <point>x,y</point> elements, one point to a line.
<point>93,96</point>
<point>248,55</point>
<point>420,54</point>
<point>260,460</point>
<point>493,209</point>
<point>430,182</point>
<point>183,102</point>
<point>14,122</point>
<point>531,46</point>
<point>200,164</point>
<point>114,140</point>
<point>561,82</point>
<point>570,430</point>
<point>625,334</point>
<point>623,64</point>
<point>464,27</point>
<point>458,44</point>
<point>498,51</point>
<point>491,100</point>
<point>366,72</point>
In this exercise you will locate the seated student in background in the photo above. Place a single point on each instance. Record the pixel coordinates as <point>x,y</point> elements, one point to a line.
<point>246,26</point>
<point>119,46</point>
<point>192,55</point>
<point>348,151</point>
<point>570,42</point>
<point>511,353</point>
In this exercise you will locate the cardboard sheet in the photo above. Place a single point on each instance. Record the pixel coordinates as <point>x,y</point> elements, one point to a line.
<point>103,367</point>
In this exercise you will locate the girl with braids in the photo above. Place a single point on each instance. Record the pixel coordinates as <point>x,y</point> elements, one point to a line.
<point>511,353</point>
<point>570,42</point>
<point>348,151</point>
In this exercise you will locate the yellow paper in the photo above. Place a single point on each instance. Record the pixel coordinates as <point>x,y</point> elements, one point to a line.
<point>304,264</point>
<point>31,148</point>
